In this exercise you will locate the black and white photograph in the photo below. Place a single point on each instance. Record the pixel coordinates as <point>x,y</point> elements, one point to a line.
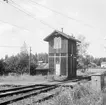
<point>52,52</point>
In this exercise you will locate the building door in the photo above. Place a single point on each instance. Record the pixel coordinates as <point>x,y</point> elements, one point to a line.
<point>57,69</point>
<point>57,66</point>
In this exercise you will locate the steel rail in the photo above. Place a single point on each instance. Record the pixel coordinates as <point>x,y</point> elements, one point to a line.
<point>22,87</point>
<point>22,91</point>
<point>23,96</point>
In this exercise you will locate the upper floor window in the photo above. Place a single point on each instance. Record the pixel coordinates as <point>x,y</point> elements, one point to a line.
<point>57,42</point>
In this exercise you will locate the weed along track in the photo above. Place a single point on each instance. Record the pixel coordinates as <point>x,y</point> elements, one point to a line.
<point>20,93</point>
<point>45,96</point>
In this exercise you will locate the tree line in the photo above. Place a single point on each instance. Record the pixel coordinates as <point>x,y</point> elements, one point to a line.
<point>19,63</point>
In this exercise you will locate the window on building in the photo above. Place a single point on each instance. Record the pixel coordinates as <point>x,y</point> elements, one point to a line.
<point>57,42</point>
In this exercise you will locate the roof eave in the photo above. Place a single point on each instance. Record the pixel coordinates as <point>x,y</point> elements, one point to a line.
<point>48,37</point>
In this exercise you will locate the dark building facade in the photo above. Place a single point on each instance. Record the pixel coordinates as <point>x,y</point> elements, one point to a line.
<point>62,54</point>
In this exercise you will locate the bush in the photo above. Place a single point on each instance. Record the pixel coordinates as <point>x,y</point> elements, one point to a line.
<point>80,95</point>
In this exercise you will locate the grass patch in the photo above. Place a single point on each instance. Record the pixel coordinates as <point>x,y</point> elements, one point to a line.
<point>80,95</point>
<point>24,77</point>
<point>29,78</point>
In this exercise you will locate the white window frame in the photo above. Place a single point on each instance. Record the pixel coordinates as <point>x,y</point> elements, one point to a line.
<point>57,42</point>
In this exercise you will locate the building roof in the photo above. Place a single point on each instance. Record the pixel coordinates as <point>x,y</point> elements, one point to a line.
<point>56,32</point>
<point>93,63</point>
<point>43,66</point>
<point>103,62</point>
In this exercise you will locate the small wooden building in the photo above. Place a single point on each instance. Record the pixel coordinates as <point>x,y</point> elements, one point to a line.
<point>42,69</point>
<point>62,54</point>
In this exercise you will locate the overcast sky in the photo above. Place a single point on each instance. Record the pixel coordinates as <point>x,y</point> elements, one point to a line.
<point>90,13</point>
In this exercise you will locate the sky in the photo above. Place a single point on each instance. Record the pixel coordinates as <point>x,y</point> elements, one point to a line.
<point>89,15</point>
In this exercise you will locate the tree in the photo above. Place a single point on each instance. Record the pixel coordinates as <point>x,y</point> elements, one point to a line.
<point>42,57</point>
<point>82,52</point>
<point>83,46</point>
<point>23,63</point>
<point>11,64</point>
<point>24,49</point>
<point>6,57</point>
<point>19,63</point>
<point>2,67</point>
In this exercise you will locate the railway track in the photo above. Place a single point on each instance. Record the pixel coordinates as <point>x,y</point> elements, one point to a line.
<point>17,94</point>
<point>21,87</point>
<point>12,95</point>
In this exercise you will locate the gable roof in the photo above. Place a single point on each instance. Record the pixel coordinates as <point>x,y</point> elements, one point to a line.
<point>62,34</point>
<point>43,66</point>
<point>103,62</point>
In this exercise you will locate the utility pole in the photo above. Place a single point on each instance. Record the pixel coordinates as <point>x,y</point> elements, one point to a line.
<point>29,59</point>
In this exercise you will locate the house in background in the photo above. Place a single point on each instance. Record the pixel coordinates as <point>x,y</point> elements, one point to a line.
<point>40,62</point>
<point>92,65</point>
<point>42,69</point>
<point>62,54</point>
<point>103,64</point>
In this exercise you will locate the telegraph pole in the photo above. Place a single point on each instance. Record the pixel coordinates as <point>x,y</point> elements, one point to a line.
<point>29,59</point>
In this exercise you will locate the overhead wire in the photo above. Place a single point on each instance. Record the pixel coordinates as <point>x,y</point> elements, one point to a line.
<point>21,28</point>
<point>17,6</point>
<point>55,11</point>
<point>51,9</point>
<point>14,25</point>
<point>36,3</point>
<point>11,46</point>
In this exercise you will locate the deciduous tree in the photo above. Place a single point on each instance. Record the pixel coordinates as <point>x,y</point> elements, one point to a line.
<point>82,52</point>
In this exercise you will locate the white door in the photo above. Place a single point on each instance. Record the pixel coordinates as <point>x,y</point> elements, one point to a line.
<point>57,69</point>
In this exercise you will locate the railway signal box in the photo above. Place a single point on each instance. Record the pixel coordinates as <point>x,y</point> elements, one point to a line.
<point>62,54</point>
